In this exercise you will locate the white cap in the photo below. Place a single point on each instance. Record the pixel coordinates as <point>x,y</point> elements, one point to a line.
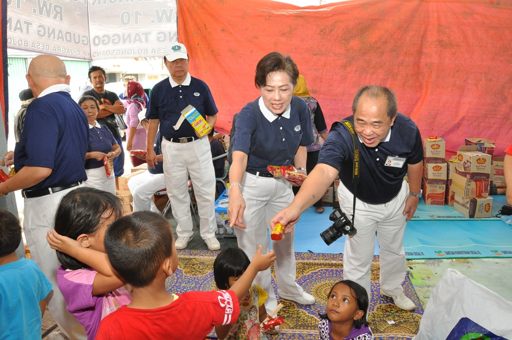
<point>177,51</point>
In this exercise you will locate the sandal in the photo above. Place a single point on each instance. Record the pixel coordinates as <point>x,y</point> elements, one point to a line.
<point>319,210</point>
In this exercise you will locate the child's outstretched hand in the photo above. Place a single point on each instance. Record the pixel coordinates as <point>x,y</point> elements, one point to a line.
<point>61,243</point>
<point>263,261</point>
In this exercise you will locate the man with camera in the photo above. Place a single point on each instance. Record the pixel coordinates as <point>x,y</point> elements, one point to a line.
<point>388,147</point>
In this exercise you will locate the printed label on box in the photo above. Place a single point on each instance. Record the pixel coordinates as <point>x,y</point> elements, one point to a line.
<point>436,170</point>
<point>434,191</point>
<point>473,161</point>
<point>197,121</point>
<point>434,147</point>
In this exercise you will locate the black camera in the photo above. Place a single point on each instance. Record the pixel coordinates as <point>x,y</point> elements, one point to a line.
<point>341,226</point>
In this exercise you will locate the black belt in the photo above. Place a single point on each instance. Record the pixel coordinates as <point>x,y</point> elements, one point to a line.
<point>181,139</point>
<point>47,191</point>
<point>260,173</point>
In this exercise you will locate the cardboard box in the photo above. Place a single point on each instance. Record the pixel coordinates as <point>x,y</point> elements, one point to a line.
<point>434,191</point>
<point>474,207</point>
<point>434,147</point>
<point>498,171</point>
<point>435,170</point>
<point>467,186</point>
<point>452,164</point>
<point>483,144</point>
<point>474,162</point>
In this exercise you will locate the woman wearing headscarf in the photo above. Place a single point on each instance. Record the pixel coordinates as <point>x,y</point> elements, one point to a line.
<point>135,133</point>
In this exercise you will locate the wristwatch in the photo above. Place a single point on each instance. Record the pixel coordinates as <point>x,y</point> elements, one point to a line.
<point>415,194</point>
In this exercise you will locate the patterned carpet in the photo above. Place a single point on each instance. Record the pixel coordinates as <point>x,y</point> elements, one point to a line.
<point>315,273</point>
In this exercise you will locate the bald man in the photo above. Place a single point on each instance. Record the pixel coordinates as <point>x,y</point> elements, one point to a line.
<point>49,162</point>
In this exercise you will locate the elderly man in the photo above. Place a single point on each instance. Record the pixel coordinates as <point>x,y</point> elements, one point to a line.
<point>49,162</point>
<point>110,105</point>
<point>390,147</point>
<point>184,153</point>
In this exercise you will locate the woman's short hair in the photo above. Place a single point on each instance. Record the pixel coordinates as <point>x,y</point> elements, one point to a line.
<point>86,97</point>
<point>272,62</point>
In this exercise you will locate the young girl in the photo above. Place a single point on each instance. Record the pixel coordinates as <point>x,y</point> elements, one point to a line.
<point>345,316</point>
<point>228,266</point>
<point>89,286</point>
<point>103,148</point>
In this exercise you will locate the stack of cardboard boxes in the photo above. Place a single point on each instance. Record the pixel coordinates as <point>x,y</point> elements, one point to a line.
<point>435,171</point>
<point>470,178</point>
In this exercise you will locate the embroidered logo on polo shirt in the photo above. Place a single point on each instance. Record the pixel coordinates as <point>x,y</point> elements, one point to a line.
<point>197,94</point>
<point>297,128</point>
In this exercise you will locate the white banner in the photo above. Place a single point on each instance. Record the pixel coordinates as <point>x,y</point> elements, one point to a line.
<point>46,26</point>
<point>135,28</point>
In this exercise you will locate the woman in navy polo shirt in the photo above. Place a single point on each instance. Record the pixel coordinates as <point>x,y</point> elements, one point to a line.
<point>103,148</point>
<point>271,130</point>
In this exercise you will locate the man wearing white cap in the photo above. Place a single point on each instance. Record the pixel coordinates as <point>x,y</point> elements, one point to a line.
<point>184,153</point>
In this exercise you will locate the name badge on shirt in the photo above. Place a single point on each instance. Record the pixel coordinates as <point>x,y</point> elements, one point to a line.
<point>395,162</point>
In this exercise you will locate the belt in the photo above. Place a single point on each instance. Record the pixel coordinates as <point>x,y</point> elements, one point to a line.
<point>47,191</point>
<point>260,173</point>
<point>181,139</point>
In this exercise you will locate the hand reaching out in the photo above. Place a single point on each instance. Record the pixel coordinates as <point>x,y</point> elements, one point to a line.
<point>263,261</point>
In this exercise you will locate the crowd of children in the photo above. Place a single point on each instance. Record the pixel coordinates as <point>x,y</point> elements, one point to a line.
<point>113,272</point>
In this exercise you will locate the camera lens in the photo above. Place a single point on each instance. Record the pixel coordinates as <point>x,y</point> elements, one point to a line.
<point>329,235</point>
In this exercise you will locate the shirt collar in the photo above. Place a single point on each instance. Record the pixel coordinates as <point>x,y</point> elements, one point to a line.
<point>55,88</point>
<point>96,125</point>
<point>186,82</point>
<point>271,116</point>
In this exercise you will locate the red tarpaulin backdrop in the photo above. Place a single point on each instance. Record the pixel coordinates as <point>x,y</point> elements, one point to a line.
<point>448,62</point>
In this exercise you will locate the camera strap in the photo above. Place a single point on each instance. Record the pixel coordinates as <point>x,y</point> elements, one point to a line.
<point>355,167</point>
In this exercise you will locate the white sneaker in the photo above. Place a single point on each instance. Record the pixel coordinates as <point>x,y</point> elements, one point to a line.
<point>212,243</point>
<point>401,301</point>
<point>304,299</point>
<point>182,242</point>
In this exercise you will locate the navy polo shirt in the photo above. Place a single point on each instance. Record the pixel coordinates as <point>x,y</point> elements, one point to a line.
<point>272,143</point>
<point>100,139</point>
<point>159,167</point>
<point>378,183</point>
<point>110,120</point>
<point>166,103</point>
<point>55,136</point>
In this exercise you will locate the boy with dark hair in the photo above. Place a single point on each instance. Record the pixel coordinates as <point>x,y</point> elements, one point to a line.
<point>24,290</point>
<point>141,250</point>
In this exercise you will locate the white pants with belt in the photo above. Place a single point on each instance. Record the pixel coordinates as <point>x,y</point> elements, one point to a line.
<point>264,198</point>
<point>38,220</point>
<point>97,178</point>
<point>388,223</point>
<point>142,187</point>
<point>193,159</point>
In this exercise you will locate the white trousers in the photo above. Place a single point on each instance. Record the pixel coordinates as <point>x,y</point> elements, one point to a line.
<point>97,178</point>
<point>388,223</point>
<point>142,187</point>
<point>39,218</point>
<point>193,159</point>
<point>265,197</point>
